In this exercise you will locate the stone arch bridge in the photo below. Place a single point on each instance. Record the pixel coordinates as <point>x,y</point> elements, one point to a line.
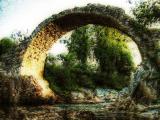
<point>22,69</point>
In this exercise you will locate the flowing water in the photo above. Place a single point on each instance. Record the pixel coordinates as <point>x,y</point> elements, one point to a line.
<point>67,112</point>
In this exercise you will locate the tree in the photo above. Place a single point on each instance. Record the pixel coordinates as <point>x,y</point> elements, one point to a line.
<point>67,59</point>
<point>107,46</point>
<point>147,12</point>
<point>6,44</point>
<point>81,43</point>
<point>114,57</point>
<point>109,49</point>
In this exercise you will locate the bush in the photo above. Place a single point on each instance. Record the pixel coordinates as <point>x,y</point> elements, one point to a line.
<point>114,57</point>
<point>108,48</point>
<point>6,44</point>
<point>147,12</point>
<point>68,77</point>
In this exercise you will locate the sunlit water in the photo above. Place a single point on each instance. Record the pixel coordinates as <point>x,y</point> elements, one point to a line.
<point>66,112</point>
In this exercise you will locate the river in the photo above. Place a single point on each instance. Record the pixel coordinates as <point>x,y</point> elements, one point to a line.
<point>68,112</point>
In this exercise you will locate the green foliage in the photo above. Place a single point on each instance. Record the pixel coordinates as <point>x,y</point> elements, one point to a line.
<point>9,43</point>
<point>6,44</point>
<point>106,45</point>
<point>114,58</point>
<point>68,76</point>
<point>81,43</point>
<point>67,59</point>
<point>147,12</point>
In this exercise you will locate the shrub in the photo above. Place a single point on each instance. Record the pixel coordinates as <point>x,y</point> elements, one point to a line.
<point>6,44</point>
<point>108,48</point>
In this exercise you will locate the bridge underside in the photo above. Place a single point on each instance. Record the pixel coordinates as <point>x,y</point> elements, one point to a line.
<point>25,65</point>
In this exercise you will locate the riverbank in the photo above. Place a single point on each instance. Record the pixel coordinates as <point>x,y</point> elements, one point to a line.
<point>74,112</point>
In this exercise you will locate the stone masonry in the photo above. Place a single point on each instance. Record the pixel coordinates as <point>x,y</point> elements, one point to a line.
<point>24,65</point>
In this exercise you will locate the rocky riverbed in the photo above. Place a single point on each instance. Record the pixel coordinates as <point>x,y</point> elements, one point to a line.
<point>86,104</point>
<point>98,95</point>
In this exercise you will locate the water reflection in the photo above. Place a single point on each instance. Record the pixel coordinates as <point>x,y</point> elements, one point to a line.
<point>66,112</point>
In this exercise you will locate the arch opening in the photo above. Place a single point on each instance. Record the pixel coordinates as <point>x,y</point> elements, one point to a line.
<point>49,31</point>
<point>57,64</point>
